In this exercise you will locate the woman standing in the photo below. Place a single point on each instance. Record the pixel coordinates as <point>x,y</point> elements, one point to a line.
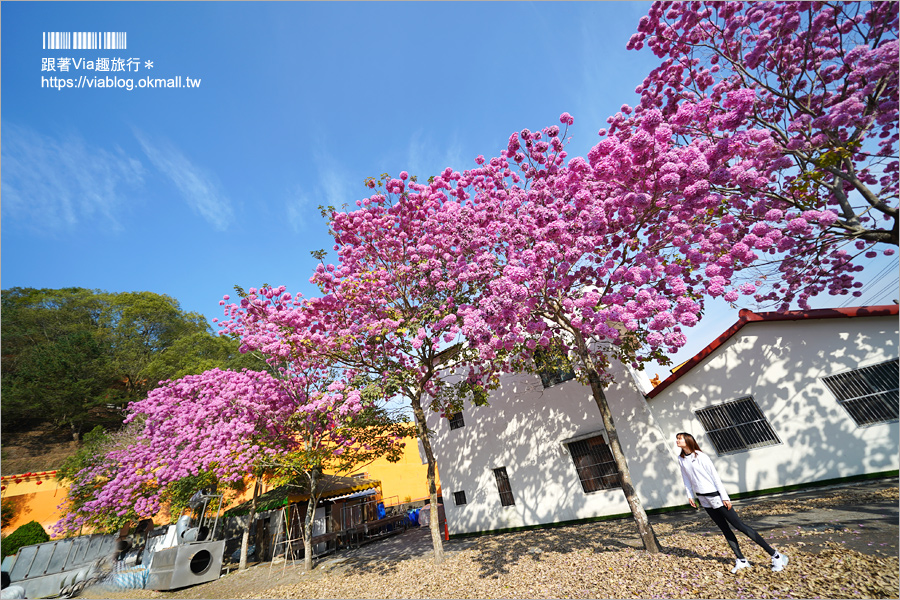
<point>701,479</point>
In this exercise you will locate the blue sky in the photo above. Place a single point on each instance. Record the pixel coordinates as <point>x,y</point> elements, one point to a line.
<point>190,191</point>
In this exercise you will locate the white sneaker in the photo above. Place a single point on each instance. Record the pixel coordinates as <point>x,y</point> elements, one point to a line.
<point>779,561</point>
<point>741,563</point>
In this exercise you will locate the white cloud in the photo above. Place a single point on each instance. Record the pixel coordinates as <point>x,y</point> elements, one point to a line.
<point>198,187</point>
<point>51,183</point>
<point>298,207</point>
<point>425,159</point>
<point>333,188</point>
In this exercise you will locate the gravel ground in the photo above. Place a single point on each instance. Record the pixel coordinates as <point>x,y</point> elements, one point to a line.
<point>598,560</point>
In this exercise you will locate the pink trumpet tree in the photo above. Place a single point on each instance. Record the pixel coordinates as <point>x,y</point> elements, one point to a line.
<point>222,422</point>
<point>388,309</point>
<point>339,423</point>
<point>396,305</point>
<point>792,109</point>
<point>594,259</point>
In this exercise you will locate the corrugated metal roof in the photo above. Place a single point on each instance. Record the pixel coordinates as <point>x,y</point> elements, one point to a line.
<point>368,492</point>
<point>333,485</point>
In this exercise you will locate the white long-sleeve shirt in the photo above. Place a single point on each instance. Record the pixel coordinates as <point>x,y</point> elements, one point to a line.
<point>700,477</point>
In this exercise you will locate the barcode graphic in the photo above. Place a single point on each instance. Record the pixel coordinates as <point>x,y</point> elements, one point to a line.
<point>85,40</point>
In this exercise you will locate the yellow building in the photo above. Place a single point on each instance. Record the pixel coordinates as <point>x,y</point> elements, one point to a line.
<point>402,481</point>
<point>35,497</point>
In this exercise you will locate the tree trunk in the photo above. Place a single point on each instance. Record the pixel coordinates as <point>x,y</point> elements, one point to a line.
<point>648,536</point>
<point>422,431</point>
<point>308,523</point>
<point>245,538</point>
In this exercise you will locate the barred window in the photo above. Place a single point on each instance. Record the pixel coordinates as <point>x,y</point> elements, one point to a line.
<point>456,421</point>
<point>869,394</point>
<point>553,369</point>
<point>737,426</point>
<point>595,464</point>
<point>459,497</point>
<point>506,495</point>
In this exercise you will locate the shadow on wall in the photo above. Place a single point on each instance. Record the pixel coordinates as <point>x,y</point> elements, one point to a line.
<point>22,512</point>
<point>523,430</point>
<point>781,365</point>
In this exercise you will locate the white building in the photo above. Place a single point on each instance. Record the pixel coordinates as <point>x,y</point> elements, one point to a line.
<point>789,399</point>
<point>777,400</point>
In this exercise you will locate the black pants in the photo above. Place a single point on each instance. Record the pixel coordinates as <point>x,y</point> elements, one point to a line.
<point>724,517</point>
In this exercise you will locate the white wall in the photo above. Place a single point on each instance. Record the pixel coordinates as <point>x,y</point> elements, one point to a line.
<point>781,365</point>
<point>522,430</point>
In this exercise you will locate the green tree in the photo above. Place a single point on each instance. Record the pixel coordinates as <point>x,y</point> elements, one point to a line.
<point>64,380</point>
<point>90,452</point>
<point>198,352</point>
<point>141,325</point>
<point>76,357</point>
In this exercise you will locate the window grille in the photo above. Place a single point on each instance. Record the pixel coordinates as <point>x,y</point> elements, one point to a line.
<point>595,464</point>
<point>869,394</point>
<point>552,369</point>
<point>456,421</point>
<point>459,498</point>
<point>506,495</point>
<point>737,426</point>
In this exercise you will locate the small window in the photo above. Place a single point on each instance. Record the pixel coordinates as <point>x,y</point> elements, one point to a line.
<point>552,368</point>
<point>869,394</point>
<point>459,498</point>
<point>737,426</point>
<point>595,464</point>
<point>506,495</point>
<point>456,421</point>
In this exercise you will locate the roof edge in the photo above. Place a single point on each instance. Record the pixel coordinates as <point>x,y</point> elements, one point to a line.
<point>746,316</point>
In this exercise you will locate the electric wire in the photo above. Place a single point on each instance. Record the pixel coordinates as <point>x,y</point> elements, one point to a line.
<point>868,287</point>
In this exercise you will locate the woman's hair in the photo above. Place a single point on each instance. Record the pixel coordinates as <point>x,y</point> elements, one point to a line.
<point>690,442</point>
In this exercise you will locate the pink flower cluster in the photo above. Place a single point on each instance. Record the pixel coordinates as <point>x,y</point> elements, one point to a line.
<point>219,421</point>
<point>795,106</point>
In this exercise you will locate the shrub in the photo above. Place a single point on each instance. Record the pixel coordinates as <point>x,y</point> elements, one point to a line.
<point>26,535</point>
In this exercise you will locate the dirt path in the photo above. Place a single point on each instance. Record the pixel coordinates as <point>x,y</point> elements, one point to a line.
<point>842,543</point>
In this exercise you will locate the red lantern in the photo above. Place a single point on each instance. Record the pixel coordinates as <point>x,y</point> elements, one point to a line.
<point>40,482</point>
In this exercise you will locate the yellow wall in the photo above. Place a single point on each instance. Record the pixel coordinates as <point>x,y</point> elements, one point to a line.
<point>406,478</point>
<point>35,497</point>
<point>39,501</point>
